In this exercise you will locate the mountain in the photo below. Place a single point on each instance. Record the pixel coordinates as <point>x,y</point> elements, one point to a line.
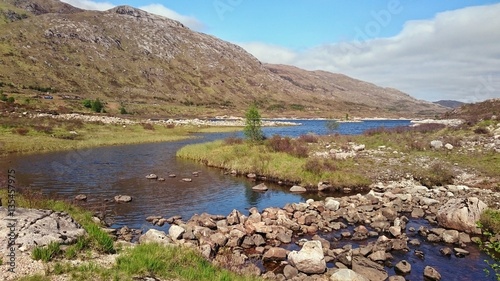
<point>152,65</point>
<point>449,103</point>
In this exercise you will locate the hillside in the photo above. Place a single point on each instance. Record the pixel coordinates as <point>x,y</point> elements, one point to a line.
<point>474,112</point>
<point>152,65</point>
<point>449,103</point>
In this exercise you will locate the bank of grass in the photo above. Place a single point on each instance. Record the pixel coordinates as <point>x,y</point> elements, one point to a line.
<point>25,135</point>
<point>170,262</point>
<point>260,159</point>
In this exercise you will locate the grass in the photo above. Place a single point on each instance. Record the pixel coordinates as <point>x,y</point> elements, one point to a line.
<point>25,135</point>
<point>47,253</point>
<point>490,225</point>
<point>262,160</point>
<point>154,260</point>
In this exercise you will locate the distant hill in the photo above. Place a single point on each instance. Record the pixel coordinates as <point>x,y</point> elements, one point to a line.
<point>156,66</point>
<point>474,112</point>
<point>449,103</point>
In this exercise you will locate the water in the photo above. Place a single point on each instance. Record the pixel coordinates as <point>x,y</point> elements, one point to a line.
<point>101,173</point>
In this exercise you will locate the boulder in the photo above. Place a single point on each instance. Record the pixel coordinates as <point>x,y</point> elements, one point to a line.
<point>324,185</point>
<point>123,198</point>
<point>450,236</point>
<point>368,268</point>
<point>187,179</point>
<point>347,275</point>
<point>80,197</point>
<point>436,144</point>
<point>38,228</point>
<point>461,214</point>
<point>260,187</point>
<point>431,274</point>
<point>448,146</point>
<point>297,189</point>
<point>275,254</point>
<point>176,231</point>
<point>310,259</point>
<point>290,272</point>
<point>332,205</point>
<point>152,176</point>
<point>155,236</point>
<point>403,267</point>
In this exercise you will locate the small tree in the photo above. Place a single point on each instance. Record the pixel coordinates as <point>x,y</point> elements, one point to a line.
<point>97,106</point>
<point>253,124</point>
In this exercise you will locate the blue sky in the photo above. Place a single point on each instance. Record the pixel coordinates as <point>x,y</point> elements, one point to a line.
<point>429,49</point>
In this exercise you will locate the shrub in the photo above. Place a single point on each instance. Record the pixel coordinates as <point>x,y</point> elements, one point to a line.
<point>21,131</point>
<point>287,145</point>
<point>11,100</point>
<point>97,106</point>
<point>123,110</point>
<point>233,140</point>
<point>317,165</point>
<point>87,103</point>
<point>436,175</point>
<point>481,131</point>
<point>309,138</point>
<point>148,126</point>
<point>3,97</point>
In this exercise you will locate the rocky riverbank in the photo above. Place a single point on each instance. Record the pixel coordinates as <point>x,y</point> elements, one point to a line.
<point>359,237</point>
<point>365,234</point>
<point>216,122</point>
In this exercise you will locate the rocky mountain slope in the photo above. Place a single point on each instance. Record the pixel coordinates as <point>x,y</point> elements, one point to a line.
<point>153,65</point>
<point>475,112</point>
<point>449,103</point>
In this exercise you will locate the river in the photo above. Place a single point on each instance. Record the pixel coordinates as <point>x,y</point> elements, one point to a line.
<point>101,173</point>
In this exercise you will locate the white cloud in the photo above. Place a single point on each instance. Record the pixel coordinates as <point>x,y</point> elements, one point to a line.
<point>455,55</point>
<point>161,10</point>
<point>89,5</point>
<point>157,9</point>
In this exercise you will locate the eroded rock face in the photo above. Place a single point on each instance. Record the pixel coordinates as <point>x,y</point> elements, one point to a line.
<point>310,259</point>
<point>461,214</point>
<point>38,228</point>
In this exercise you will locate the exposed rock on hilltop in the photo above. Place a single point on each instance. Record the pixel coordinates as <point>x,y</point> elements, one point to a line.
<point>154,65</point>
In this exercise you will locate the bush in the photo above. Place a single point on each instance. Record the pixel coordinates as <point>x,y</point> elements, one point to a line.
<point>436,175</point>
<point>287,145</point>
<point>97,106</point>
<point>21,131</point>
<point>87,103</point>
<point>123,110</point>
<point>3,97</point>
<point>148,126</point>
<point>233,140</point>
<point>481,131</point>
<point>317,165</point>
<point>309,138</point>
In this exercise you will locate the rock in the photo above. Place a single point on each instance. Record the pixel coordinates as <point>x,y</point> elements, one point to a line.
<point>377,256</point>
<point>161,179</point>
<point>347,275</point>
<point>436,144</point>
<point>417,213</point>
<point>459,252</point>
<point>123,198</point>
<point>446,251</point>
<point>310,259</point>
<point>172,175</point>
<point>290,272</point>
<point>80,197</point>
<point>431,274</point>
<point>371,269</point>
<point>176,232</point>
<point>332,205</point>
<point>395,231</point>
<point>260,187</point>
<point>38,228</point>
<point>450,236</point>
<point>155,236</point>
<point>357,148</point>
<point>152,176</point>
<point>275,254</point>
<point>461,214</point>
<point>448,146</point>
<point>297,189</point>
<point>403,267</point>
<point>251,176</point>
<point>187,179</point>
<point>234,217</point>
<point>324,185</point>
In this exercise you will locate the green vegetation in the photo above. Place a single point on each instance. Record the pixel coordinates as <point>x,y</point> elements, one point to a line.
<point>253,124</point>
<point>49,134</point>
<point>95,105</point>
<point>490,225</point>
<point>47,253</point>
<point>270,159</point>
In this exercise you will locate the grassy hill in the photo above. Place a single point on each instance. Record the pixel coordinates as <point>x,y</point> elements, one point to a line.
<point>152,65</point>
